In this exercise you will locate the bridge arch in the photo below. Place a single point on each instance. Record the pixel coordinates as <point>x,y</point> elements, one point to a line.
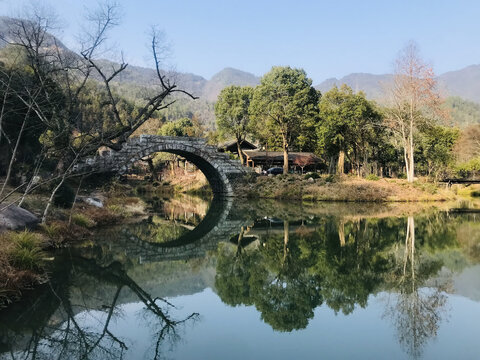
<point>222,173</point>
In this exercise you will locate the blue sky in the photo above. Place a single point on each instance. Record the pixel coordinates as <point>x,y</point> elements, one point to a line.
<point>326,38</point>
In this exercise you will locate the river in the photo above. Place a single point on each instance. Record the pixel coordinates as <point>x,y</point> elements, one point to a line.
<point>260,280</point>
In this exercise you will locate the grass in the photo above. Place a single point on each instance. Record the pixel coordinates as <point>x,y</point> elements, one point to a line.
<point>372,177</point>
<point>26,252</point>
<point>344,188</point>
<point>118,210</point>
<point>83,221</point>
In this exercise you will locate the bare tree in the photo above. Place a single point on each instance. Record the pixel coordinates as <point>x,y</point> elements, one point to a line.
<point>414,99</point>
<point>303,160</point>
<point>63,80</point>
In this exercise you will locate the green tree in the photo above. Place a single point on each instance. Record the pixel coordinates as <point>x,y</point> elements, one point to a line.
<point>231,112</point>
<point>283,106</point>
<point>181,127</point>
<point>436,147</point>
<point>349,125</point>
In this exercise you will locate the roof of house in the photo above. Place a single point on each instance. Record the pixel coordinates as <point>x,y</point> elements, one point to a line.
<point>232,145</point>
<point>257,155</point>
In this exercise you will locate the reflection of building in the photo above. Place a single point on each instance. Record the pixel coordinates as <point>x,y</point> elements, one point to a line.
<point>268,159</point>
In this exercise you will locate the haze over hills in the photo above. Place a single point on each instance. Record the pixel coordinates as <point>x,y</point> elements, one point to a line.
<point>463,83</point>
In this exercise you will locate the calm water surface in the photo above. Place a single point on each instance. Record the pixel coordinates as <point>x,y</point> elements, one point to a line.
<point>260,280</point>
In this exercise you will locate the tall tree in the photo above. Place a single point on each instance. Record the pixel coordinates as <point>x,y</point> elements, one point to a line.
<point>414,100</point>
<point>348,126</point>
<point>231,112</point>
<point>283,105</point>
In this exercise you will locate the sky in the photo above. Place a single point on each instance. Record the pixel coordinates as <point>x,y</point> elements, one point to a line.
<point>326,38</point>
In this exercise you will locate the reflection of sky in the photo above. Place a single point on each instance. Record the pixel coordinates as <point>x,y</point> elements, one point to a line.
<point>224,332</point>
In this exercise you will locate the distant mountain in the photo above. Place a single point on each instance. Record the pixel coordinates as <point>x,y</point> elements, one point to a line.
<point>7,34</point>
<point>207,90</point>
<point>227,77</point>
<point>464,83</point>
<point>372,85</point>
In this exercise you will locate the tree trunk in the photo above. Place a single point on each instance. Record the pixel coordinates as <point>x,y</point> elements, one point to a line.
<point>239,241</point>
<point>240,153</point>
<point>407,162</point>
<point>14,154</point>
<point>341,233</point>
<point>50,200</point>
<point>285,155</point>
<point>331,167</point>
<point>341,163</point>
<point>152,169</point>
<point>286,231</point>
<point>412,162</point>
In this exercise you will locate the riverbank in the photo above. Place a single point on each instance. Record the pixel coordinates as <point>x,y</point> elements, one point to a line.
<point>346,188</point>
<point>24,253</point>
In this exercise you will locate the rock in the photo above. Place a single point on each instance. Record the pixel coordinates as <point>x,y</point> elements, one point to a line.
<point>14,218</point>
<point>94,201</point>
<point>311,180</point>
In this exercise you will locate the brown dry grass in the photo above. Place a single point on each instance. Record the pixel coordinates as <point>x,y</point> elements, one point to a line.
<point>345,189</point>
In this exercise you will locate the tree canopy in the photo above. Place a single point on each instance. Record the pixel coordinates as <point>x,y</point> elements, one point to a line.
<point>284,107</point>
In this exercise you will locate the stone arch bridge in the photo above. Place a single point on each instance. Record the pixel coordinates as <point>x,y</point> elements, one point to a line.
<point>223,173</point>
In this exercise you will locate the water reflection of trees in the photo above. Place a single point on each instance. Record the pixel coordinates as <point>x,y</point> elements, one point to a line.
<point>341,262</point>
<point>76,324</point>
<point>416,312</point>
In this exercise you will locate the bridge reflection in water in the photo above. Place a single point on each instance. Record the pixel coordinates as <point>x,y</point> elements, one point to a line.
<point>286,260</point>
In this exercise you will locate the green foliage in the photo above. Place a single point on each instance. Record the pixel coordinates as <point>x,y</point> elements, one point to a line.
<point>27,252</point>
<point>435,150</point>
<point>350,123</point>
<point>284,109</point>
<point>312,175</point>
<point>65,196</point>
<point>52,231</point>
<point>83,221</point>
<point>372,177</point>
<point>469,168</point>
<point>181,127</point>
<point>462,112</point>
<point>231,111</point>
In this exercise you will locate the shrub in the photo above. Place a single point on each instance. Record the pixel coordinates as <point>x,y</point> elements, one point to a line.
<point>372,177</point>
<point>64,197</point>
<point>475,193</point>
<point>469,168</point>
<point>83,221</point>
<point>26,252</point>
<point>311,175</point>
<point>26,239</point>
<point>402,176</point>
<point>27,259</point>
<point>54,232</point>
<point>330,178</point>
